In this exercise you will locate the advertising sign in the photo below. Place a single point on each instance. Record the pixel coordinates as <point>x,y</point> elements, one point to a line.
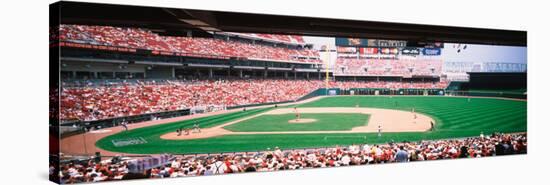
<point>410,51</point>
<point>368,51</point>
<point>431,51</point>
<point>393,51</point>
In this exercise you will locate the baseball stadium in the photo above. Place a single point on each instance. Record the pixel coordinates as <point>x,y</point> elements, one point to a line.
<point>150,102</point>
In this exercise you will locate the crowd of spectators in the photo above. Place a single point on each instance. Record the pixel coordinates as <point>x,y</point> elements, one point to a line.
<point>101,102</point>
<point>292,39</point>
<point>144,39</point>
<point>275,160</point>
<point>91,171</point>
<point>394,67</point>
<point>92,102</point>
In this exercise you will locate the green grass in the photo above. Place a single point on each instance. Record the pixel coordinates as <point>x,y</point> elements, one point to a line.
<point>455,118</point>
<point>450,113</point>
<point>325,121</point>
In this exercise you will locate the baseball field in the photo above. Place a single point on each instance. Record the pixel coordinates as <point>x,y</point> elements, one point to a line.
<point>330,121</point>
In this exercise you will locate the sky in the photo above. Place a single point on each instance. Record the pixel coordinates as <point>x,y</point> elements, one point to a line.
<point>484,53</point>
<point>319,41</point>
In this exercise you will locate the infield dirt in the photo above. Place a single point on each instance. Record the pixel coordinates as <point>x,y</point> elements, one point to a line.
<point>388,120</point>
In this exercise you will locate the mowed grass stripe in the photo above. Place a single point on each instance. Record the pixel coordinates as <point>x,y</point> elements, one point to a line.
<point>483,115</point>
<point>465,113</point>
<point>504,122</point>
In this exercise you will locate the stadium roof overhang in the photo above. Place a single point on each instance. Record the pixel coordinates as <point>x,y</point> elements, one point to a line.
<point>172,21</point>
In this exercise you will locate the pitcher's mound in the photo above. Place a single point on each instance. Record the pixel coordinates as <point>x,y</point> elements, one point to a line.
<point>302,120</point>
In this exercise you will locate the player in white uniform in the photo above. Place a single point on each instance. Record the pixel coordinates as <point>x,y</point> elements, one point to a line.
<point>296,113</point>
<point>124,125</point>
<point>196,128</point>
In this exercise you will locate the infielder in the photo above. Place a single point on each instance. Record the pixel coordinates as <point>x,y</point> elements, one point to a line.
<point>297,114</point>
<point>196,128</point>
<point>124,125</point>
<point>414,113</point>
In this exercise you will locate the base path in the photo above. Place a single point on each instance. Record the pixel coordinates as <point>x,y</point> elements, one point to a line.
<point>389,120</point>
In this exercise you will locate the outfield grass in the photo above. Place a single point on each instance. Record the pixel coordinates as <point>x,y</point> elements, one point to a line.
<point>455,118</point>
<point>450,113</point>
<point>325,122</point>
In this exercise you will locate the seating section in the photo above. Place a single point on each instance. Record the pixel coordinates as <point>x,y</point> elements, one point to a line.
<point>143,39</point>
<point>291,39</point>
<point>394,67</point>
<point>281,160</point>
<point>91,101</point>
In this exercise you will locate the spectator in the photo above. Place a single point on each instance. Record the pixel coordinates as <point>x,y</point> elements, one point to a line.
<point>296,159</point>
<point>402,155</point>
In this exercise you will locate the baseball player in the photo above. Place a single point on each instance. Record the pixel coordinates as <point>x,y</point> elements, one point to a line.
<point>196,128</point>
<point>124,125</point>
<point>296,113</point>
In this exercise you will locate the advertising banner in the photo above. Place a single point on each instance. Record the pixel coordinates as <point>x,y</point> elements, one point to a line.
<point>346,49</point>
<point>431,51</point>
<point>410,51</point>
<point>351,42</point>
<point>388,51</point>
<point>368,51</point>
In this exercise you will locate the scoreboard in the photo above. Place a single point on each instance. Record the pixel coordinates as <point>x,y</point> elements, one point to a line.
<point>360,42</point>
<point>364,46</point>
<point>381,43</point>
